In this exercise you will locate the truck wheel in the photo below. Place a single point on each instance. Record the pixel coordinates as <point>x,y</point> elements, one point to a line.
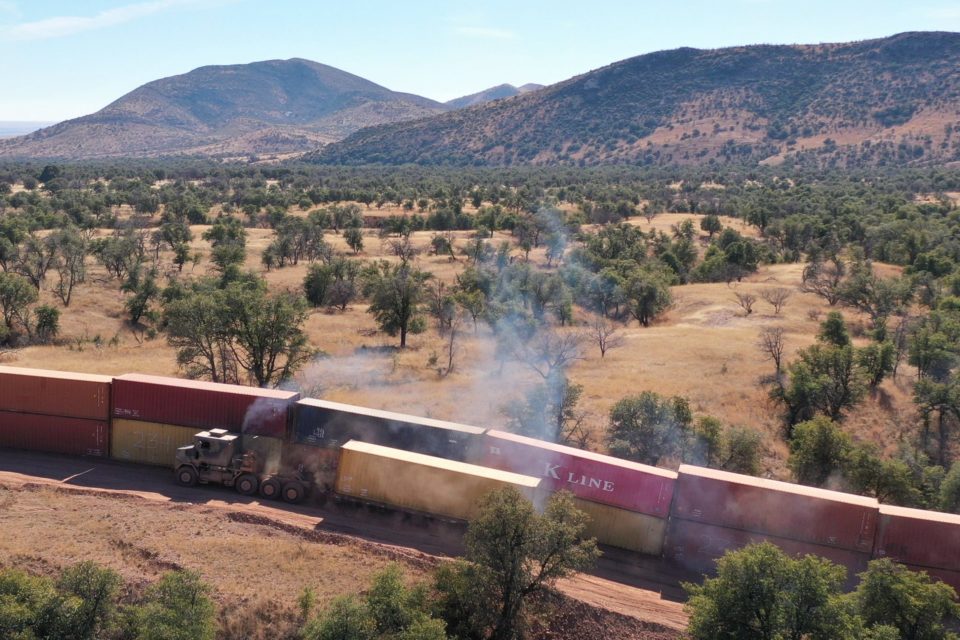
<point>270,488</point>
<point>293,492</point>
<point>247,484</point>
<point>186,476</point>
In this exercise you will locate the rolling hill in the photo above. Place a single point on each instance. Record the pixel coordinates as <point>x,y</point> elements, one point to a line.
<point>274,106</point>
<point>493,93</point>
<point>890,101</point>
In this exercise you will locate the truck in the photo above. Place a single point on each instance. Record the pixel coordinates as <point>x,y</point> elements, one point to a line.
<point>250,464</point>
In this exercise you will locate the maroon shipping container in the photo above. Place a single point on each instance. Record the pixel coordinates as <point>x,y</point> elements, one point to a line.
<point>74,395</point>
<point>54,434</point>
<point>919,538</point>
<point>591,476</point>
<point>774,508</point>
<point>697,546</point>
<point>206,405</point>
<point>952,578</point>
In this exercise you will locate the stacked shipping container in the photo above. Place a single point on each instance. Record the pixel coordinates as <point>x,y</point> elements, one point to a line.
<point>54,411</point>
<point>922,540</point>
<point>628,503</point>
<point>153,415</point>
<point>714,511</point>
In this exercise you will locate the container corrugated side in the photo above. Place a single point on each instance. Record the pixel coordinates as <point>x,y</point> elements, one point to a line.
<point>919,538</point>
<point>588,475</point>
<point>55,393</point>
<point>319,463</point>
<point>696,546</point>
<point>774,508</point>
<point>421,483</point>
<point>204,405</point>
<point>624,529</point>
<point>148,442</point>
<point>54,434</point>
<point>322,423</point>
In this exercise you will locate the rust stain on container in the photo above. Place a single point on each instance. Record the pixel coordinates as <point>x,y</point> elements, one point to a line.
<point>422,483</point>
<point>54,434</point>
<point>56,393</point>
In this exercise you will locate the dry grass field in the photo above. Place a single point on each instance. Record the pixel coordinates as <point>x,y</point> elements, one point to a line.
<point>703,348</point>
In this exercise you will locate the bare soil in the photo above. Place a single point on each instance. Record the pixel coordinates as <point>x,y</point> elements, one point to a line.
<point>259,556</point>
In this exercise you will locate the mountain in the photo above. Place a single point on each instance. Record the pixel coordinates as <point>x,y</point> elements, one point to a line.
<point>274,106</point>
<point>9,128</point>
<point>894,100</point>
<point>493,93</point>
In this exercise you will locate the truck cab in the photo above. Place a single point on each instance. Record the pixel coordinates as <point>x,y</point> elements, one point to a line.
<point>217,456</point>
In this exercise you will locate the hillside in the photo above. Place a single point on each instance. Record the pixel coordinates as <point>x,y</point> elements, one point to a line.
<point>274,106</point>
<point>493,93</point>
<point>879,102</point>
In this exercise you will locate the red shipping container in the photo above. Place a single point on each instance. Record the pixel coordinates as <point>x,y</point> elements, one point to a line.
<point>591,476</point>
<point>697,546</point>
<point>54,434</point>
<point>774,508</point>
<point>56,393</point>
<point>206,405</point>
<point>919,538</point>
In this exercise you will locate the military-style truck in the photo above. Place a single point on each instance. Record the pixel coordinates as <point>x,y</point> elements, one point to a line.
<point>248,463</point>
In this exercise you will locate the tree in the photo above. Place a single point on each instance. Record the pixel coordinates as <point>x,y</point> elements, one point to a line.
<point>550,351</point>
<point>178,607</point>
<point>818,449</point>
<point>760,593</point>
<point>647,427</point>
<point>606,335</point>
<point>144,290</point>
<point>16,295</point>
<point>396,294</point>
<point>47,322</point>
<point>824,379</point>
<point>333,283</point>
<point>36,256</point>
<point>647,296</point>
<point>824,279</point>
<point>198,328</point>
<point>772,344</point>
<point>877,361</point>
<point>891,594</point>
<point>833,330</point>
<point>70,263</point>
<point>549,412</point>
<point>746,301</point>
<point>741,451</point>
<point>711,224</point>
<point>949,495</point>
<point>95,590</point>
<point>776,298</point>
<point>268,341</point>
<point>228,242</point>
<point>518,552</point>
<point>354,238</point>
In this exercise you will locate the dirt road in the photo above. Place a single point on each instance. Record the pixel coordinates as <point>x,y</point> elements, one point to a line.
<point>640,587</point>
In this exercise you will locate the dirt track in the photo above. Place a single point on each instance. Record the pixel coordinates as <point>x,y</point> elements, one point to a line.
<point>642,588</point>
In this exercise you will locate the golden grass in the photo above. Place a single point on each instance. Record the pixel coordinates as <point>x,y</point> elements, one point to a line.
<point>704,348</point>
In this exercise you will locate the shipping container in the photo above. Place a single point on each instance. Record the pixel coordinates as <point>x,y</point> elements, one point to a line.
<point>204,405</point>
<point>330,424</point>
<point>952,578</point>
<point>591,476</point>
<point>919,538</point>
<point>421,483</point>
<point>54,434</point>
<point>55,393</point>
<point>624,529</point>
<point>780,509</point>
<point>148,442</point>
<point>696,546</point>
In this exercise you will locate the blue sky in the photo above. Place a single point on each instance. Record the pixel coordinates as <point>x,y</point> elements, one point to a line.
<point>61,59</point>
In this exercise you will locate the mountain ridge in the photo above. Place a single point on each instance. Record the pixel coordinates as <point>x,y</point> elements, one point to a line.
<point>880,101</point>
<point>493,93</point>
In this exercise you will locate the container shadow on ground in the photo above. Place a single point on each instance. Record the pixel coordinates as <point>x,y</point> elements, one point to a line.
<point>322,514</point>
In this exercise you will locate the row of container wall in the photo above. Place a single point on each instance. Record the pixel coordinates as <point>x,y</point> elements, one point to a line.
<point>692,516</point>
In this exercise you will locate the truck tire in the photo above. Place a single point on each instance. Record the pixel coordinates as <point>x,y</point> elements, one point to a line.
<point>247,484</point>
<point>270,488</point>
<point>186,476</point>
<point>293,492</point>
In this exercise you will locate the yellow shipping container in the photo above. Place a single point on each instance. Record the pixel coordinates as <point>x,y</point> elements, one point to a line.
<point>422,483</point>
<point>148,442</point>
<point>625,529</point>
